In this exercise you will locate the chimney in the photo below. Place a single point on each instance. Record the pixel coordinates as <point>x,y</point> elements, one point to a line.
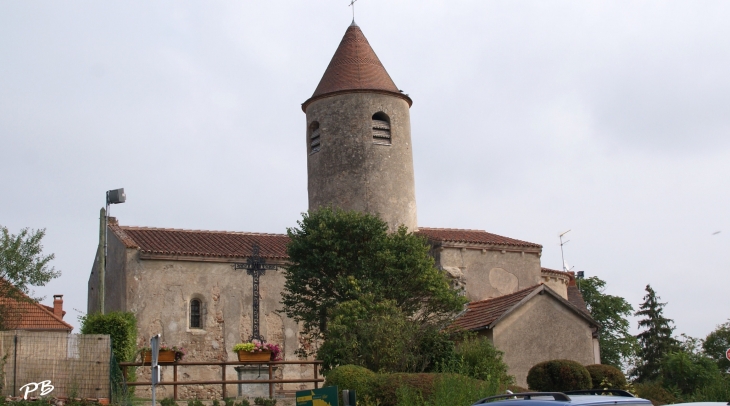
<point>572,278</point>
<point>58,306</point>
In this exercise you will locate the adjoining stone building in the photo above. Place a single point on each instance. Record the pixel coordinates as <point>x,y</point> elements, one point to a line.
<point>182,283</point>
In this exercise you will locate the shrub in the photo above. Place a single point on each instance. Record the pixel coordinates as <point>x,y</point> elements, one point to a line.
<point>387,386</point>
<point>264,402</point>
<point>168,402</point>
<point>606,377</point>
<point>352,377</point>
<point>476,357</point>
<point>717,391</point>
<point>120,326</point>
<point>459,390</point>
<point>654,392</point>
<point>558,375</point>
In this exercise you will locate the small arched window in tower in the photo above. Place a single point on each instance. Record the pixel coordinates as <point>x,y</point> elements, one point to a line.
<point>381,128</point>
<point>195,314</point>
<point>314,137</point>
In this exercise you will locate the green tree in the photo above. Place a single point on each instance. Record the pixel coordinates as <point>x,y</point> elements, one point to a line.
<point>688,371</point>
<point>381,338</point>
<point>616,342</point>
<point>338,256</point>
<point>22,265</point>
<point>656,340</point>
<point>715,345</point>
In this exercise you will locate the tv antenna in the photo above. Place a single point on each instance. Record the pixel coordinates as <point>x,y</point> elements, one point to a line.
<point>562,255</point>
<point>352,4</point>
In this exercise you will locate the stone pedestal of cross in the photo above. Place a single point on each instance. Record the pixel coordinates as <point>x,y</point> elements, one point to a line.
<point>255,266</point>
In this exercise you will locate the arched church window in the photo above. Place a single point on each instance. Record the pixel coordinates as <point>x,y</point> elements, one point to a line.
<point>314,137</point>
<point>195,314</point>
<point>381,128</point>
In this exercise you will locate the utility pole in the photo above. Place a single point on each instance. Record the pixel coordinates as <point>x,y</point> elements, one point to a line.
<point>102,257</point>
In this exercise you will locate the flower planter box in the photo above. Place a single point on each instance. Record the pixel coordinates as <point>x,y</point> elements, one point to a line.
<point>164,357</point>
<point>259,356</point>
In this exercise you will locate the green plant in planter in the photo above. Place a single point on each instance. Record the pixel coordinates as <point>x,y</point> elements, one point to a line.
<point>179,351</point>
<point>258,346</point>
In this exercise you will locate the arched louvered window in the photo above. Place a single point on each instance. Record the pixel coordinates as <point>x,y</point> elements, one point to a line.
<point>314,137</point>
<point>381,128</point>
<point>195,314</point>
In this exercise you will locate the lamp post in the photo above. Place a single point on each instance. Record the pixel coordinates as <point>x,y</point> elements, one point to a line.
<point>114,196</point>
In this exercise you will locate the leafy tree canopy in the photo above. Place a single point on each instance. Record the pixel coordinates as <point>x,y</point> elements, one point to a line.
<point>380,337</point>
<point>339,256</point>
<point>688,371</point>
<point>616,342</point>
<point>22,265</point>
<point>715,345</point>
<point>656,340</point>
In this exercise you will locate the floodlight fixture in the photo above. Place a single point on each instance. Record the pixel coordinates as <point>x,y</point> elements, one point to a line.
<point>115,196</point>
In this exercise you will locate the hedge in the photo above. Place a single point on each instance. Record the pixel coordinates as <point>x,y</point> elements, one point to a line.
<point>606,377</point>
<point>120,326</point>
<point>558,375</point>
<point>352,377</point>
<point>385,389</point>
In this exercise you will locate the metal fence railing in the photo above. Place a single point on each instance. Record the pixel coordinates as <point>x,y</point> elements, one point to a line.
<point>76,365</point>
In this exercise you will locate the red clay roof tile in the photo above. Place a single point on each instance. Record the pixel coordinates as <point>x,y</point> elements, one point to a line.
<point>471,236</point>
<point>198,243</point>
<point>481,314</point>
<point>28,315</point>
<point>355,67</point>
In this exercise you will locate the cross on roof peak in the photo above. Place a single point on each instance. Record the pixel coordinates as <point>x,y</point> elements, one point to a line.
<point>352,4</point>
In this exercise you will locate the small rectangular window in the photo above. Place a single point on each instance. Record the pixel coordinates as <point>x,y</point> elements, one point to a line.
<point>195,314</point>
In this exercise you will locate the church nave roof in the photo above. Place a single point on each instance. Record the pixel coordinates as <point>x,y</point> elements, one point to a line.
<point>472,236</point>
<point>200,243</point>
<point>232,244</point>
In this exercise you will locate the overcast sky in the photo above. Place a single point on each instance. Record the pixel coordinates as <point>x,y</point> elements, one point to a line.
<point>611,119</point>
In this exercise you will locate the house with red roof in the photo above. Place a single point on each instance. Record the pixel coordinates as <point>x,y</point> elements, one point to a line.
<point>23,313</point>
<point>186,286</point>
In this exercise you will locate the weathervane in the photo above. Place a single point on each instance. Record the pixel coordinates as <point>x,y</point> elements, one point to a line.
<point>352,4</point>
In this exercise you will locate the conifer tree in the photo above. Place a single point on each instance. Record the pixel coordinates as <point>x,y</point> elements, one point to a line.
<point>656,340</point>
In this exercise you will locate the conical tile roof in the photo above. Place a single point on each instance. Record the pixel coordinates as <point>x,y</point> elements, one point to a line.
<point>355,68</point>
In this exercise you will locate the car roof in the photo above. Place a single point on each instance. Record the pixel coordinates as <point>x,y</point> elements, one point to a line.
<point>563,399</point>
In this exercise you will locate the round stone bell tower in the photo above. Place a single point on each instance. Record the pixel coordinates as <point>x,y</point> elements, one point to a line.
<point>359,151</point>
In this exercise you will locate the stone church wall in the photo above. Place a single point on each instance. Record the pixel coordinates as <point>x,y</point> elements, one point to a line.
<point>488,273</point>
<point>159,291</point>
<point>542,329</point>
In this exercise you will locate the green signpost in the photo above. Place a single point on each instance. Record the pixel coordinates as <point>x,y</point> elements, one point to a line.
<point>326,396</point>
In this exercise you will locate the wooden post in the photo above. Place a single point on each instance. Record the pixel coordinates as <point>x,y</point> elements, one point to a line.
<point>271,384</point>
<point>174,379</point>
<point>316,376</point>
<point>223,374</point>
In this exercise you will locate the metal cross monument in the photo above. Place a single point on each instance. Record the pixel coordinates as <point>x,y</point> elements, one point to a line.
<point>255,266</point>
